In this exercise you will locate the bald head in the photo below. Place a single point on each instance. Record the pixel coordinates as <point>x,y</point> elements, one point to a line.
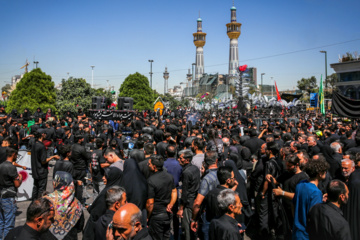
<point>126,221</point>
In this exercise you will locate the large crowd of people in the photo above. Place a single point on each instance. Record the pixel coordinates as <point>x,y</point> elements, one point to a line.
<point>184,175</point>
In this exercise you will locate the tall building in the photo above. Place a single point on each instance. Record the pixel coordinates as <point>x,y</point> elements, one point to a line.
<point>348,73</point>
<point>233,32</point>
<point>199,41</point>
<point>166,77</point>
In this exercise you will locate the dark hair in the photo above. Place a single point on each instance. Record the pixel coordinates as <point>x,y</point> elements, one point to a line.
<point>292,159</point>
<point>273,147</point>
<point>37,208</point>
<point>64,150</point>
<point>187,154</point>
<point>139,144</point>
<point>77,137</point>
<point>210,157</point>
<point>37,135</point>
<point>157,161</point>
<point>223,174</point>
<point>335,189</point>
<point>67,128</point>
<point>199,143</point>
<point>149,148</point>
<point>315,167</point>
<point>99,142</point>
<point>166,135</point>
<point>108,151</point>
<point>10,151</point>
<point>113,143</point>
<point>253,133</point>
<point>170,151</point>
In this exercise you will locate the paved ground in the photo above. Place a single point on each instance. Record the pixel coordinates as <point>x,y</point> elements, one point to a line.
<point>22,206</point>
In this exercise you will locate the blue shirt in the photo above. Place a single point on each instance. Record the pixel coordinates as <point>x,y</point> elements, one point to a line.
<point>174,168</point>
<point>209,182</point>
<point>306,196</point>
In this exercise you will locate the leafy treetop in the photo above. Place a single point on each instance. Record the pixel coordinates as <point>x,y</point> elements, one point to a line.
<point>137,86</point>
<point>35,89</point>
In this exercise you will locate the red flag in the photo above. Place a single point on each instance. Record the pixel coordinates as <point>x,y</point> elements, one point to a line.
<point>277,93</point>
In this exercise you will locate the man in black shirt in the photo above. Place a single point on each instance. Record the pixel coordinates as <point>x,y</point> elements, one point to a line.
<point>325,220</point>
<point>97,172</point>
<point>162,196</point>
<point>69,137</point>
<point>149,150</point>
<point>161,146</point>
<point>190,179</point>
<point>226,227</point>
<point>39,217</point>
<point>127,224</point>
<point>227,180</point>
<point>80,159</point>
<point>254,143</point>
<point>115,198</point>
<point>13,133</point>
<point>39,165</point>
<point>64,163</point>
<point>313,146</point>
<point>289,179</point>
<point>10,180</point>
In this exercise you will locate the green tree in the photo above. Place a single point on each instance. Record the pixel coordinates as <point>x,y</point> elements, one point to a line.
<point>74,93</point>
<point>101,92</point>
<point>35,89</point>
<point>331,81</point>
<point>173,103</point>
<point>307,84</point>
<point>137,86</point>
<point>6,88</point>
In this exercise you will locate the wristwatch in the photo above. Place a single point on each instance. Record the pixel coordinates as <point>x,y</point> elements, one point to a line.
<point>283,193</point>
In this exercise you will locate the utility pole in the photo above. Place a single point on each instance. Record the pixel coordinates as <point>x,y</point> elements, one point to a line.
<point>36,63</point>
<point>262,83</point>
<point>67,75</point>
<point>92,76</point>
<point>151,73</point>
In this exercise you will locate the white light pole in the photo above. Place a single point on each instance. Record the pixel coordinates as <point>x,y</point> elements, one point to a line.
<point>92,76</point>
<point>272,88</point>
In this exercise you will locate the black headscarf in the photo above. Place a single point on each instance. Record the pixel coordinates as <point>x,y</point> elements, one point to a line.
<point>98,208</point>
<point>134,183</point>
<point>241,189</point>
<point>26,114</point>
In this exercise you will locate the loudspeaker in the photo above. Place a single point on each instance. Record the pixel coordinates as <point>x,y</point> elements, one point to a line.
<point>125,103</point>
<point>99,102</point>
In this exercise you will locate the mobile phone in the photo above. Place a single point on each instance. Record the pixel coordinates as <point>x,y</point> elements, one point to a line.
<point>243,227</point>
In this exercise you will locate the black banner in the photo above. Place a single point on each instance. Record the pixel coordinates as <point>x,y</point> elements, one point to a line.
<point>345,107</point>
<point>290,97</point>
<point>107,114</point>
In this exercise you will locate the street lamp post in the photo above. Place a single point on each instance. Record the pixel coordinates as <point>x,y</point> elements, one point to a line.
<point>272,87</point>
<point>262,83</point>
<point>151,73</point>
<point>325,68</point>
<point>92,76</point>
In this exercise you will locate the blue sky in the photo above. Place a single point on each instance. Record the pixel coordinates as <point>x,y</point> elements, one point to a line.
<point>119,37</point>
